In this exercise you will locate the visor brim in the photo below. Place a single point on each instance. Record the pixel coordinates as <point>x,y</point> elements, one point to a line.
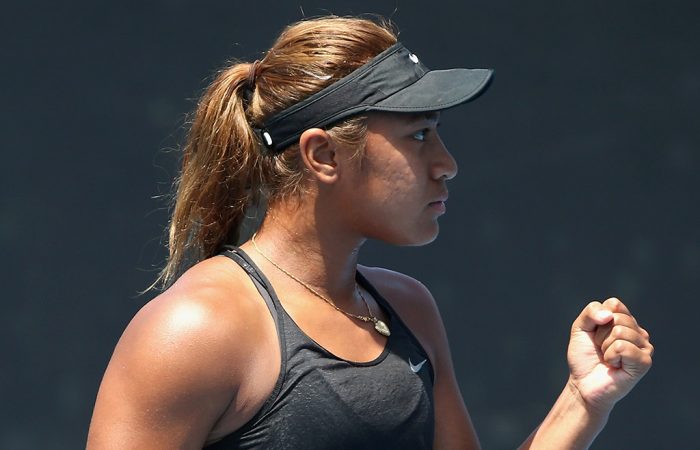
<point>438,90</point>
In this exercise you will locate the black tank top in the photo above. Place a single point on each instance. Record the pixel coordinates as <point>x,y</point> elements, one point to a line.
<point>321,401</point>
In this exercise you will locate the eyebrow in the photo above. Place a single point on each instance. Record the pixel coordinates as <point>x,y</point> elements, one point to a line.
<point>430,116</point>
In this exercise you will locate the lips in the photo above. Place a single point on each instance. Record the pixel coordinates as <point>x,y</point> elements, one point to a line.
<point>438,205</point>
<point>440,199</point>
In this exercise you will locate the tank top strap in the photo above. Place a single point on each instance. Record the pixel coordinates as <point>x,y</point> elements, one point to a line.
<point>364,282</point>
<point>262,284</point>
<point>259,280</point>
<point>393,315</point>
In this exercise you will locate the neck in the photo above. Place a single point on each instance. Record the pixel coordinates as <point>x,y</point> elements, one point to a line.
<point>319,252</point>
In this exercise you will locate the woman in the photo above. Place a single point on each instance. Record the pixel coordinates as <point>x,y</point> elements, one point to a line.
<point>286,342</point>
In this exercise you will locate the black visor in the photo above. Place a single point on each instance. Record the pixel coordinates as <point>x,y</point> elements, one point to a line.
<point>394,80</point>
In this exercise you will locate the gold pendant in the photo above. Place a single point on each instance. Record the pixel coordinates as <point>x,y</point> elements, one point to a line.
<point>381,328</point>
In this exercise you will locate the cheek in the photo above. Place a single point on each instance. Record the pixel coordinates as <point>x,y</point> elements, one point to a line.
<point>391,209</point>
<point>391,178</point>
<point>393,199</point>
<point>388,162</point>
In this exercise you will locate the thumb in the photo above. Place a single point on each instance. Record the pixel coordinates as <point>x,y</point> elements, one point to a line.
<point>592,316</point>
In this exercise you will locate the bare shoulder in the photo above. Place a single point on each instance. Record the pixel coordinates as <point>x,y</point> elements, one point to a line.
<point>407,290</point>
<point>413,302</point>
<point>206,312</point>
<point>191,349</point>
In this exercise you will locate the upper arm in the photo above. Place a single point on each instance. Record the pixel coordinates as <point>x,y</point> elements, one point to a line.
<point>159,389</point>
<point>179,366</point>
<point>417,308</point>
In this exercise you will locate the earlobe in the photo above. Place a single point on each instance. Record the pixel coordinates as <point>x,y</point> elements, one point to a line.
<point>318,151</point>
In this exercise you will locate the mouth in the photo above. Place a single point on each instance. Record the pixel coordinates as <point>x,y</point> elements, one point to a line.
<point>438,205</point>
<point>442,198</point>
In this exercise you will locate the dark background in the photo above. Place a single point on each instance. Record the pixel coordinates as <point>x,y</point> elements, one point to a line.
<point>578,180</point>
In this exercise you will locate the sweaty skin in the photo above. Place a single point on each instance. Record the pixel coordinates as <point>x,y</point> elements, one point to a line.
<point>199,360</point>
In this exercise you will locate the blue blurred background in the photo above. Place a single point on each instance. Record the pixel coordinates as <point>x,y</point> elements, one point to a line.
<point>578,181</point>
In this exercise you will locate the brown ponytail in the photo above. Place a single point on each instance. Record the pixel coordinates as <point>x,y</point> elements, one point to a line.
<point>224,172</point>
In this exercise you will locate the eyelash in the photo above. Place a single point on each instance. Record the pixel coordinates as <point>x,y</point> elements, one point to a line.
<point>421,135</point>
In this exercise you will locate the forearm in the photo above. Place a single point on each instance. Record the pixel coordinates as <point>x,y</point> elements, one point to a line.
<point>570,424</point>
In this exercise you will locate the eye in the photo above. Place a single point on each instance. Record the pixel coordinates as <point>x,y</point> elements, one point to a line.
<point>421,134</point>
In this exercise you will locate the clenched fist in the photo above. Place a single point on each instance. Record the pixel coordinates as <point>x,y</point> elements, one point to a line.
<point>609,352</point>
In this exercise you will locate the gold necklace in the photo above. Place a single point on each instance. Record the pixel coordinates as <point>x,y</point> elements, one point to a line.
<point>379,325</point>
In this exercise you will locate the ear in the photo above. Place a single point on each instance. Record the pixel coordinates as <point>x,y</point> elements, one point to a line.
<point>318,151</point>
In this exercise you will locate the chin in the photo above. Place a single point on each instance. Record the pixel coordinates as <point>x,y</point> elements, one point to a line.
<point>414,239</point>
<point>422,242</point>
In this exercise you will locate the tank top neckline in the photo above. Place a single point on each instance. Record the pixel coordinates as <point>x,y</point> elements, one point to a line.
<point>364,283</point>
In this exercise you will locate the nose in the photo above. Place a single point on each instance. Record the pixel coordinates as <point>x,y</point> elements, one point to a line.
<point>444,165</point>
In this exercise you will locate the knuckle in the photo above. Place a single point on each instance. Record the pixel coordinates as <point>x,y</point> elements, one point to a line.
<point>613,301</point>
<point>593,306</point>
<point>625,319</point>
